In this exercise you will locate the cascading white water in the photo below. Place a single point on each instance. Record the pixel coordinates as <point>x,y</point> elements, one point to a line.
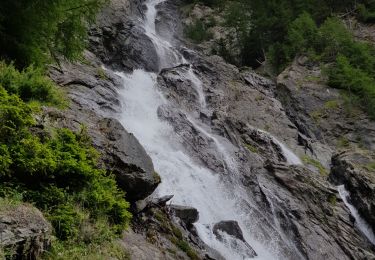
<point>359,221</point>
<point>290,157</point>
<point>189,182</point>
<point>168,56</point>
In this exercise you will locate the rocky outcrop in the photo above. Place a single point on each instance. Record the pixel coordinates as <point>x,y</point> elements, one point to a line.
<point>242,114</point>
<point>356,171</point>
<point>94,102</point>
<point>235,239</point>
<point>188,215</point>
<point>24,232</point>
<point>119,40</point>
<point>159,236</point>
<point>329,125</point>
<point>320,112</point>
<point>230,227</point>
<point>310,211</point>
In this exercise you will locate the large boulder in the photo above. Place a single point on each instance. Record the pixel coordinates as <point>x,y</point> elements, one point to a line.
<point>234,237</point>
<point>128,160</point>
<point>119,40</point>
<point>24,232</point>
<point>94,102</point>
<point>188,215</point>
<point>230,227</point>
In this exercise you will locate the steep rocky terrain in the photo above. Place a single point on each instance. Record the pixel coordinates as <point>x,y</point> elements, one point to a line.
<point>290,205</point>
<point>24,231</point>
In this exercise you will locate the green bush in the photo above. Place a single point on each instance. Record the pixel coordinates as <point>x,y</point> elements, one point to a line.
<point>198,32</point>
<point>35,32</point>
<point>366,14</point>
<point>57,174</point>
<point>66,220</point>
<point>354,80</point>
<point>29,84</point>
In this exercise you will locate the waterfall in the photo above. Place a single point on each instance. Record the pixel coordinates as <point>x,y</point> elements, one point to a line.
<point>359,221</point>
<point>191,183</point>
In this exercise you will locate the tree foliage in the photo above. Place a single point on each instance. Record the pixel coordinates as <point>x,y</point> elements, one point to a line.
<point>34,31</point>
<point>55,169</point>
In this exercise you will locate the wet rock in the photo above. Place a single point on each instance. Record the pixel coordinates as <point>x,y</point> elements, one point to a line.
<point>162,201</point>
<point>24,231</point>
<point>232,229</point>
<point>119,40</point>
<point>188,215</point>
<point>168,21</point>
<point>151,202</point>
<point>307,208</point>
<point>124,46</point>
<point>349,168</point>
<point>128,161</point>
<point>94,102</point>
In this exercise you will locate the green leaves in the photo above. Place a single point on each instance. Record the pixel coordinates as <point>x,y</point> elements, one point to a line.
<point>29,84</point>
<point>39,31</point>
<point>59,174</point>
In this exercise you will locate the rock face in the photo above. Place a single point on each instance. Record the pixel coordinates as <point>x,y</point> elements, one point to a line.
<point>94,103</point>
<point>230,227</point>
<point>296,208</point>
<point>188,215</point>
<point>320,113</point>
<point>349,168</point>
<point>236,239</point>
<point>305,206</point>
<point>119,40</point>
<point>24,232</point>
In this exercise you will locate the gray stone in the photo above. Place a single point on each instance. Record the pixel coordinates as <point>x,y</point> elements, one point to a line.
<point>237,240</point>
<point>24,231</point>
<point>188,215</point>
<point>359,181</point>
<point>230,227</point>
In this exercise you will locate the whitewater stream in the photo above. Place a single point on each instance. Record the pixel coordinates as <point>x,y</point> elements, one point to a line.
<point>361,224</point>
<point>191,183</point>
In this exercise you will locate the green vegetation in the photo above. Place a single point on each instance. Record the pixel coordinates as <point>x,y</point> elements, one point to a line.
<point>343,142</point>
<point>370,166</point>
<point>366,13</point>
<point>332,199</point>
<point>94,251</point>
<point>279,31</point>
<point>316,164</point>
<point>198,32</point>
<point>174,233</point>
<point>184,246</point>
<point>30,84</point>
<point>251,148</point>
<point>56,170</point>
<point>34,31</point>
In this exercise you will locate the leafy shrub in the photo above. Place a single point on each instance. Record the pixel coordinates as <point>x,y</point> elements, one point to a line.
<point>346,76</point>
<point>302,34</point>
<point>66,220</point>
<point>57,174</point>
<point>198,32</point>
<point>29,84</point>
<point>35,32</point>
<point>110,249</point>
<point>365,14</point>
